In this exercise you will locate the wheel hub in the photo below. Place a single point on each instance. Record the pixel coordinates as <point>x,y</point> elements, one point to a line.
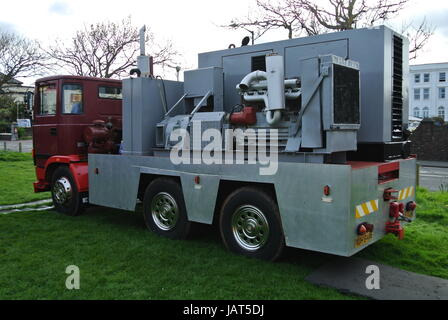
<point>165,211</point>
<point>62,191</point>
<point>250,227</point>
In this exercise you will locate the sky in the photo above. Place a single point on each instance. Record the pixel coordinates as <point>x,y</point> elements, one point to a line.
<point>192,26</point>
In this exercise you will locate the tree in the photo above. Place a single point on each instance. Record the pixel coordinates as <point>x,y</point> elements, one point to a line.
<point>297,16</point>
<point>106,50</point>
<point>19,57</point>
<point>268,15</point>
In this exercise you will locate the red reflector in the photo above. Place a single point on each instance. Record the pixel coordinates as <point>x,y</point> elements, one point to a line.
<point>327,190</point>
<point>197,180</point>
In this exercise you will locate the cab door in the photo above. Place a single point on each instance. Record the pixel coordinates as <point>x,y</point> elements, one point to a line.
<point>45,124</point>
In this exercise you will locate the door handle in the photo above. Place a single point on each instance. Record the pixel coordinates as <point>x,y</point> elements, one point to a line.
<point>53,131</point>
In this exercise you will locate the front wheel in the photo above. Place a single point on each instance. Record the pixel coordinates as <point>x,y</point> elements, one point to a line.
<point>250,224</point>
<point>66,198</point>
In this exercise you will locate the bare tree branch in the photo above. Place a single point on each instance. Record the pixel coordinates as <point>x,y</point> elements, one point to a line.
<point>19,57</point>
<point>106,50</point>
<point>418,35</point>
<point>297,16</point>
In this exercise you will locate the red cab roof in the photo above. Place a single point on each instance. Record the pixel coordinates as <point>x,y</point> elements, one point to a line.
<point>80,78</point>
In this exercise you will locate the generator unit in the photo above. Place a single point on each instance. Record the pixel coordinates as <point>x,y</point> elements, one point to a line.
<point>298,142</point>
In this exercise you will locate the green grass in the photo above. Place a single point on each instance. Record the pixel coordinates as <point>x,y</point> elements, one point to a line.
<point>119,259</point>
<point>17,175</point>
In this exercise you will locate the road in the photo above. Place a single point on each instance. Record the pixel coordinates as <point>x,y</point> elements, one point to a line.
<point>433,178</point>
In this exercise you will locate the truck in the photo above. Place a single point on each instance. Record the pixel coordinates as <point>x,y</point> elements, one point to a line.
<point>298,143</point>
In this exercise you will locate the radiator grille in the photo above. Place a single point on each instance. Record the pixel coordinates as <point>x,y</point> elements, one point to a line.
<point>259,63</point>
<point>397,90</point>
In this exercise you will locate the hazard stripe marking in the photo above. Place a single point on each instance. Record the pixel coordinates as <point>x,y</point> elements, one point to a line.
<point>366,208</point>
<point>405,193</point>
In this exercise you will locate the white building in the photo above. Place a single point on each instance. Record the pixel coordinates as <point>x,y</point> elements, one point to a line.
<point>428,90</point>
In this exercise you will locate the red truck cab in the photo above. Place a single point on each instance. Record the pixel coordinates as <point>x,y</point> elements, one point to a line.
<point>73,116</point>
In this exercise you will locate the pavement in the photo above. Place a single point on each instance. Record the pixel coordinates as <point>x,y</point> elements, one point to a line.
<point>27,145</point>
<point>378,281</point>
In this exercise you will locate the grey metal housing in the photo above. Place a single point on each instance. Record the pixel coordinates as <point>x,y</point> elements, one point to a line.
<point>373,48</point>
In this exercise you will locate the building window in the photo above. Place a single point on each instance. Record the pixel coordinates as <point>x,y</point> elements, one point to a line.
<point>425,93</point>
<point>425,112</point>
<point>442,76</point>
<point>441,112</point>
<point>416,112</point>
<point>417,78</point>
<point>416,94</point>
<point>441,93</point>
<point>426,77</point>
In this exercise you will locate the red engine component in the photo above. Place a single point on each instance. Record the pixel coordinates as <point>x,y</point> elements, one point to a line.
<point>247,116</point>
<point>396,212</point>
<point>395,228</point>
<point>101,137</point>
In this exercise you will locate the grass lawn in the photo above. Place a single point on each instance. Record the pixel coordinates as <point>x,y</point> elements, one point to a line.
<point>16,179</point>
<point>119,259</point>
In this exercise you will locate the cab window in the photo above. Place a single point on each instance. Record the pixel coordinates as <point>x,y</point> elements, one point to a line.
<point>47,95</point>
<point>72,99</point>
<point>109,93</point>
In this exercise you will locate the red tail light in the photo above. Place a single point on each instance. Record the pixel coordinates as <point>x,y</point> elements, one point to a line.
<point>361,229</point>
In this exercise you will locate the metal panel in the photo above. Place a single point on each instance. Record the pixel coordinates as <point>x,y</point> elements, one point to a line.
<point>200,198</point>
<point>143,109</point>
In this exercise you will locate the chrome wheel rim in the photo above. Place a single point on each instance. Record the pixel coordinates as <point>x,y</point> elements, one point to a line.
<point>62,191</point>
<point>165,211</point>
<point>250,227</point>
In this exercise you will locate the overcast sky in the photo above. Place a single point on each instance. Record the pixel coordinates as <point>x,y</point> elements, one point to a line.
<point>193,26</point>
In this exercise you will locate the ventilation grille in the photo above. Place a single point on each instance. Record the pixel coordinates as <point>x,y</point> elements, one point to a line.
<point>257,140</point>
<point>259,63</point>
<point>397,90</point>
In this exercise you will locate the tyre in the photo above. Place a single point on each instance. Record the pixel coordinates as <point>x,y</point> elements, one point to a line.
<point>65,195</point>
<point>164,209</point>
<point>250,224</point>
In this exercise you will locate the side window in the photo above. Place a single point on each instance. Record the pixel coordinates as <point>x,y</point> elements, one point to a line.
<point>72,99</point>
<point>110,93</point>
<point>47,95</point>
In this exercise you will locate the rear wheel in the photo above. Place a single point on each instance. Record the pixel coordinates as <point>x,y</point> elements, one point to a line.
<point>250,224</point>
<point>66,198</point>
<point>164,209</point>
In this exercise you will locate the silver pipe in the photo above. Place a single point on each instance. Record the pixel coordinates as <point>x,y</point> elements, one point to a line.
<point>249,78</point>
